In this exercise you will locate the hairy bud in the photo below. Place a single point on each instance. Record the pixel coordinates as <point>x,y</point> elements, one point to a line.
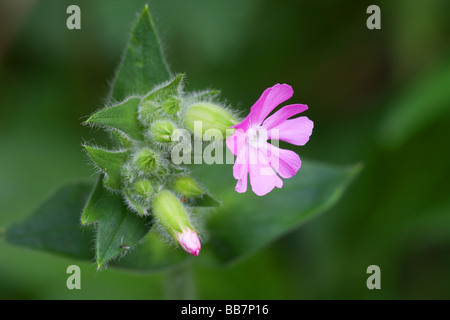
<point>210,116</point>
<point>171,214</point>
<point>187,187</point>
<point>189,241</point>
<point>146,160</point>
<point>161,131</point>
<point>144,188</point>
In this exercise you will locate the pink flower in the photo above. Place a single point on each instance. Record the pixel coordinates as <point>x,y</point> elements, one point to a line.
<point>260,159</point>
<point>189,241</point>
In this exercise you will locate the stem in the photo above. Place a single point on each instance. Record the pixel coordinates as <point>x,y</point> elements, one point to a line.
<point>2,233</point>
<point>179,283</point>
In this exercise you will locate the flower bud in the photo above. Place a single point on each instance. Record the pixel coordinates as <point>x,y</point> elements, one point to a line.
<point>171,214</point>
<point>210,116</point>
<point>144,188</point>
<point>146,160</point>
<point>171,105</point>
<point>161,131</point>
<point>189,241</point>
<point>187,187</point>
<point>148,111</point>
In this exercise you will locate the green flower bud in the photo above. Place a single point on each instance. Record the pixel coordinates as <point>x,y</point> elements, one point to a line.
<point>162,130</point>
<point>144,188</point>
<point>164,99</point>
<point>170,212</point>
<point>146,160</point>
<point>172,216</point>
<point>150,106</point>
<point>136,203</point>
<point>186,186</point>
<point>209,116</point>
<point>148,111</point>
<point>171,106</point>
<point>128,175</point>
<point>139,196</point>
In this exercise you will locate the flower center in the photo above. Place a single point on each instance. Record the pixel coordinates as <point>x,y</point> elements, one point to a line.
<point>257,136</point>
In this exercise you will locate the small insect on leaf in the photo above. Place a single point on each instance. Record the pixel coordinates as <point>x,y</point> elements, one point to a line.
<point>123,245</point>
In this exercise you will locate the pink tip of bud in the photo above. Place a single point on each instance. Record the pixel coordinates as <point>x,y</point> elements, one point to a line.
<point>189,241</point>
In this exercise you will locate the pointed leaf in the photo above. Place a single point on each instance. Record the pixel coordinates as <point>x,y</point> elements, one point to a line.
<point>122,116</point>
<point>143,66</point>
<point>246,222</point>
<point>110,162</point>
<point>118,228</point>
<point>165,98</point>
<point>93,209</point>
<point>172,88</point>
<point>55,226</point>
<point>141,208</point>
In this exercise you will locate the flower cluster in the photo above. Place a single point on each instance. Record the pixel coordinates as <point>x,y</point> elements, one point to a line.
<point>146,130</point>
<point>149,130</point>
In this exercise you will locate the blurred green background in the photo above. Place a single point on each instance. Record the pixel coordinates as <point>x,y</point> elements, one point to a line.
<point>380,97</point>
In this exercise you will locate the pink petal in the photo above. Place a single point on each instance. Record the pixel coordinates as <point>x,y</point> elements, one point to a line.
<point>237,145</point>
<point>237,141</point>
<point>245,124</point>
<point>240,171</point>
<point>189,241</point>
<point>278,94</point>
<point>284,114</point>
<point>241,185</point>
<point>285,162</point>
<point>268,101</point>
<point>262,177</point>
<point>240,167</point>
<point>296,131</point>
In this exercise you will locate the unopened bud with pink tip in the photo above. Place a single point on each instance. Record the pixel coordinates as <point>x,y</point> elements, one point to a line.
<point>189,241</point>
<point>172,216</point>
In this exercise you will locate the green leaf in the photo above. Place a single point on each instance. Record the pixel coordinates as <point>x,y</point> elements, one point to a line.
<point>110,162</point>
<point>143,66</point>
<point>246,222</point>
<point>92,211</point>
<point>122,116</point>
<point>172,88</point>
<point>118,229</point>
<point>422,102</point>
<point>55,226</point>
<point>152,254</point>
<point>164,98</point>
